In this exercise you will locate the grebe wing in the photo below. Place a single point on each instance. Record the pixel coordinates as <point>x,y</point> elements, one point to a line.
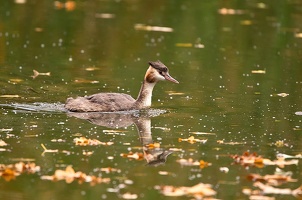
<point>101,102</point>
<point>111,98</point>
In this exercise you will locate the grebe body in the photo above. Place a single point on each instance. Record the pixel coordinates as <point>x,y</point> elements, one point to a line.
<point>111,102</point>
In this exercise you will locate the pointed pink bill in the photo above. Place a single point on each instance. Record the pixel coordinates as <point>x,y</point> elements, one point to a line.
<point>170,78</point>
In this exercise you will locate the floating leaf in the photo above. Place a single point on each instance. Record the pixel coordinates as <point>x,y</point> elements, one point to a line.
<point>36,73</point>
<point>114,132</point>
<point>39,29</point>
<point>246,22</point>
<point>85,81</point>
<point>48,150</point>
<point>230,11</point>
<point>258,161</point>
<point>136,156</point>
<point>267,189</point>
<point>91,68</point>
<point>256,195</point>
<point>172,93</point>
<point>163,173</point>
<point>282,94</point>
<point>82,141</point>
<point>58,140</point>
<point>68,5</point>
<point>2,143</point>
<point>129,196</point>
<point>197,191</point>
<point>153,145</point>
<point>6,129</point>
<point>229,143</point>
<point>2,149</point>
<point>10,96</point>
<point>298,113</point>
<point>200,46</point>
<point>280,143</point>
<point>87,153</point>
<point>53,150</point>
<point>69,175</point>
<point>109,170</point>
<point>202,133</point>
<point>184,44</point>
<point>9,172</point>
<point>259,71</point>
<point>163,128</point>
<point>224,169</point>
<point>275,179</point>
<point>261,5</point>
<point>20,1</point>
<point>284,156</point>
<point>110,157</point>
<point>175,149</point>
<point>298,35</point>
<point>104,15</point>
<point>15,80</point>
<point>143,27</point>
<point>190,162</point>
<point>23,159</point>
<point>192,140</point>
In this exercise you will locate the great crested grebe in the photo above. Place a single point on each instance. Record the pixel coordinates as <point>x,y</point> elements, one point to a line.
<point>111,102</point>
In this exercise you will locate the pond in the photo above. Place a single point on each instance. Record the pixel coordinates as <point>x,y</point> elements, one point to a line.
<point>234,118</point>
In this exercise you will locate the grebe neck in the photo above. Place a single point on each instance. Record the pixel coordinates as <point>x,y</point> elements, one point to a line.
<point>145,95</point>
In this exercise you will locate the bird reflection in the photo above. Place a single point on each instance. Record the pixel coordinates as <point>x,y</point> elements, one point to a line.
<point>142,121</point>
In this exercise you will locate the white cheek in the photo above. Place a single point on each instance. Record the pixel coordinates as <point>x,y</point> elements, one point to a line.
<point>159,77</point>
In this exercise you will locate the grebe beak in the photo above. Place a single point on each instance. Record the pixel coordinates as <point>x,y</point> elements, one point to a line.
<point>169,78</point>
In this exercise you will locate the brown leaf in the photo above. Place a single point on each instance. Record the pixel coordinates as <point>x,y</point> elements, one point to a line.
<point>69,175</point>
<point>153,145</point>
<point>275,179</point>
<point>230,11</point>
<point>9,172</point>
<point>192,140</point>
<point>2,143</point>
<point>129,196</point>
<point>82,141</point>
<point>190,162</point>
<point>258,161</point>
<point>267,189</point>
<point>136,156</point>
<point>198,191</point>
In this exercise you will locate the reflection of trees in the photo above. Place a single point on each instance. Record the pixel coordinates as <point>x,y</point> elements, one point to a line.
<point>153,156</point>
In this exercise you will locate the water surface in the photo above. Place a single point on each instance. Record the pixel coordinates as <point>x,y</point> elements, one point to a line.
<point>239,68</point>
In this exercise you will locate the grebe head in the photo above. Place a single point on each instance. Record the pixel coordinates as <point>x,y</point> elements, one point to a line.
<point>158,72</point>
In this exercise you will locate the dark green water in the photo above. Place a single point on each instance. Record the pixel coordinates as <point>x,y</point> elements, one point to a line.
<point>87,51</point>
